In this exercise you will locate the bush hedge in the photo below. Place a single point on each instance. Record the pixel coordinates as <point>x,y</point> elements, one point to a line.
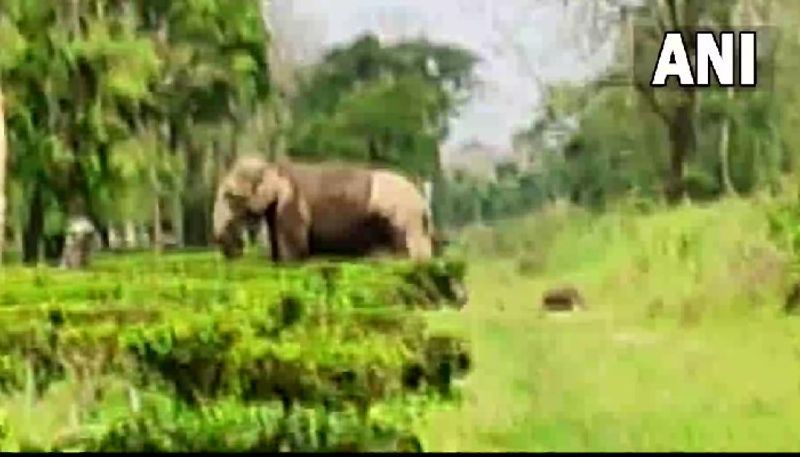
<point>239,356</point>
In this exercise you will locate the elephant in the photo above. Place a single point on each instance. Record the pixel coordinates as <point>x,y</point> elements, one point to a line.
<point>323,208</point>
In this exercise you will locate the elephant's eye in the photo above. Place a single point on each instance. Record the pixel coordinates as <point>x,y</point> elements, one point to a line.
<point>235,200</point>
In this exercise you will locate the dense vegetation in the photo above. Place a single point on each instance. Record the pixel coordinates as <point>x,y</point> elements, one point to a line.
<point>597,141</point>
<point>128,111</point>
<point>188,352</point>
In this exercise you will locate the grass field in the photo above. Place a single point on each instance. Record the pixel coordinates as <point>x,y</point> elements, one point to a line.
<point>684,347</point>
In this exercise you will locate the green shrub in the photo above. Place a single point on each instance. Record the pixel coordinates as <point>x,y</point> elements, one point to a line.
<point>7,441</point>
<point>245,356</point>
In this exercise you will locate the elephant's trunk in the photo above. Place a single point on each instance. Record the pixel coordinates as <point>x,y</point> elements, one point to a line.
<point>232,247</point>
<point>226,233</point>
<point>223,218</point>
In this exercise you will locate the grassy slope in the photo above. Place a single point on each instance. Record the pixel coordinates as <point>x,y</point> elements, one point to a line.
<point>684,346</point>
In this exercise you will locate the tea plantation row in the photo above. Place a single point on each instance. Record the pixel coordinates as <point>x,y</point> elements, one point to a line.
<point>186,352</point>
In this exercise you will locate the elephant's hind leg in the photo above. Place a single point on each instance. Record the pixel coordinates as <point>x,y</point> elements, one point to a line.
<point>411,240</point>
<point>418,245</point>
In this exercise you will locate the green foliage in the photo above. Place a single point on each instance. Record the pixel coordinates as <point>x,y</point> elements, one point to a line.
<point>783,219</point>
<point>597,143</point>
<point>223,343</point>
<point>101,95</point>
<point>382,104</point>
<point>230,426</point>
<point>7,443</point>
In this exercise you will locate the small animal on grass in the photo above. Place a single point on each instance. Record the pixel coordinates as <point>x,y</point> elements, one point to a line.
<point>793,299</point>
<point>331,209</point>
<point>78,243</point>
<point>565,298</point>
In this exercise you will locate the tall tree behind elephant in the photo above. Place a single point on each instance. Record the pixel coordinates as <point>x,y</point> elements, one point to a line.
<point>322,209</point>
<point>94,75</point>
<point>13,45</point>
<point>3,154</point>
<point>215,78</point>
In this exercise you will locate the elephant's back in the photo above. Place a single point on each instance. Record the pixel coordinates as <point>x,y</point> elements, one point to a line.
<point>331,184</point>
<point>337,195</point>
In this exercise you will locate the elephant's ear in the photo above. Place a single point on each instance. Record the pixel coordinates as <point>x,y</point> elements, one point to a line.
<point>292,205</point>
<point>265,191</point>
<point>286,188</point>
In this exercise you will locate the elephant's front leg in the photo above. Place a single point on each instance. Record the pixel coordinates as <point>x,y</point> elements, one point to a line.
<point>289,240</point>
<point>293,224</point>
<point>292,244</point>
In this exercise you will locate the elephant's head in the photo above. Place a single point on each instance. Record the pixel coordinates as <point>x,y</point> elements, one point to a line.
<point>244,195</point>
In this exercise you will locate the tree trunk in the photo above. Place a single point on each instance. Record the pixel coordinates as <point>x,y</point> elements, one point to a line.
<point>157,236</point>
<point>105,235</point>
<point>676,186</point>
<point>176,218</point>
<point>131,235</point>
<point>439,201</point>
<point>195,202</point>
<point>234,140</point>
<point>101,227</point>
<point>195,223</point>
<point>98,220</point>
<point>724,152</point>
<point>173,142</point>
<point>19,239</point>
<point>758,174</point>
<point>683,142</point>
<point>34,227</point>
<point>3,161</point>
<point>281,79</point>
<point>54,247</point>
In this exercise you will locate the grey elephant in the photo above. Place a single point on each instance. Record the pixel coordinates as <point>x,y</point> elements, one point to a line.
<point>322,209</point>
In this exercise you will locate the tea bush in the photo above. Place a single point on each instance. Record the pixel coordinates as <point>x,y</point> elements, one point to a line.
<point>242,356</point>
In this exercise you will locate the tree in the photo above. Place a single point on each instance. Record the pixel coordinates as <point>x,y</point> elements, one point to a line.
<point>698,143</point>
<point>3,160</point>
<point>215,71</point>
<point>12,44</point>
<point>382,104</point>
<point>105,99</point>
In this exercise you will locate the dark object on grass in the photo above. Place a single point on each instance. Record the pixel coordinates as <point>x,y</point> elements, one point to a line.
<point>793,299</point>
<point>566,298</point>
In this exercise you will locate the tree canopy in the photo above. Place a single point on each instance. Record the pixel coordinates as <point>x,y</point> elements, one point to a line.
<point>381,103</point>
